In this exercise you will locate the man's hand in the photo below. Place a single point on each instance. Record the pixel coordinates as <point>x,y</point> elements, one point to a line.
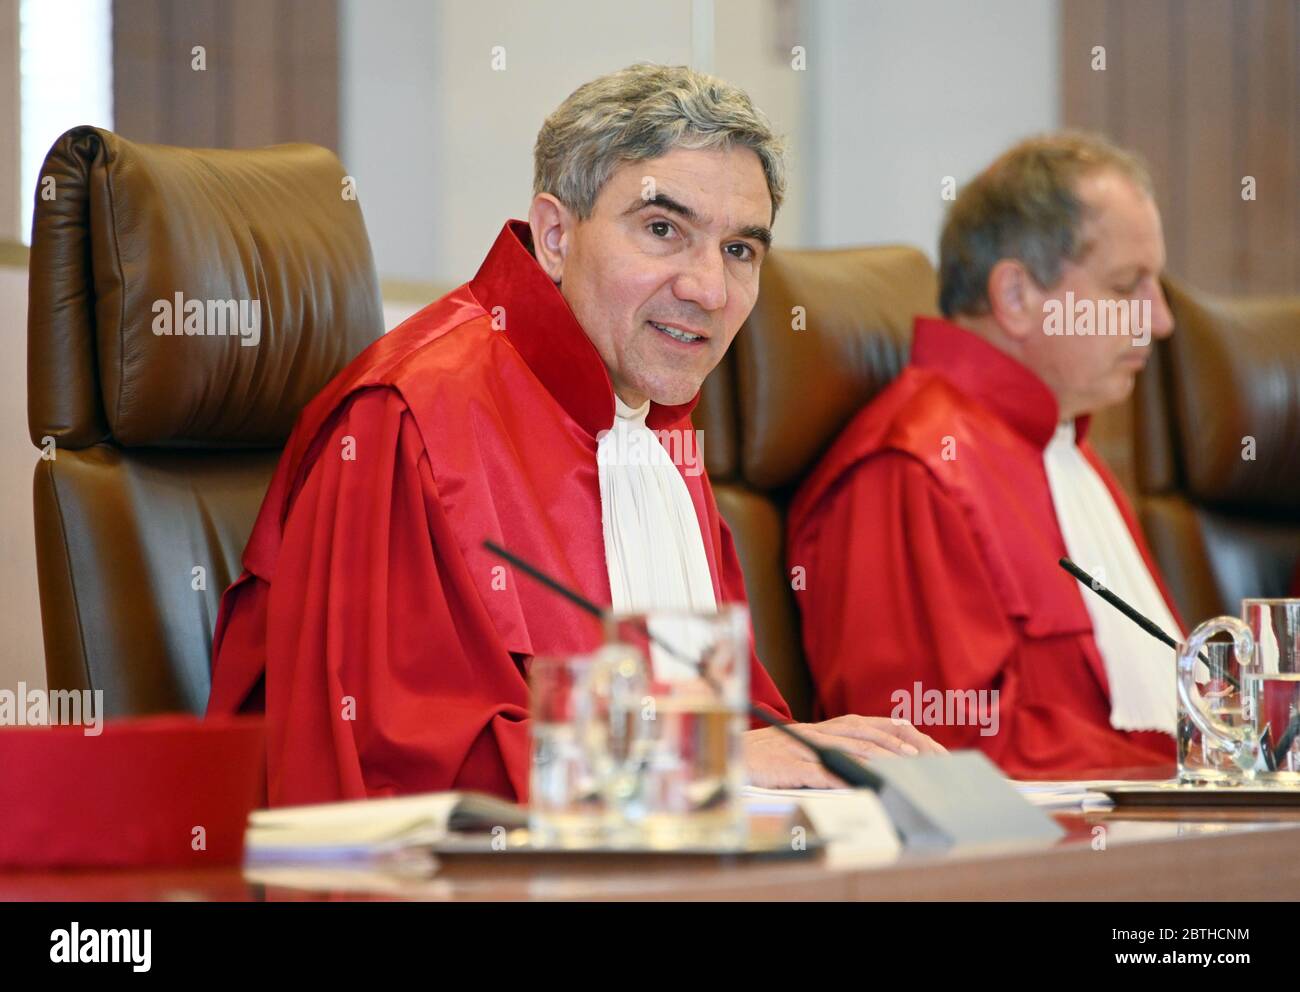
<point>774,760</point>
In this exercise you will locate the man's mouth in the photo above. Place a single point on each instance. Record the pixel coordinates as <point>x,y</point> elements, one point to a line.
<point>676,333</point>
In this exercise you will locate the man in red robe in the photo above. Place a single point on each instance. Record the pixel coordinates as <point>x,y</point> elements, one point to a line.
<point>388,648</point>
<point>930,533</point>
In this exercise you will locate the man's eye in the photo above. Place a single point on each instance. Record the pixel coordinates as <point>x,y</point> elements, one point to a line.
<point>660,228</point>
<point>741,251</point>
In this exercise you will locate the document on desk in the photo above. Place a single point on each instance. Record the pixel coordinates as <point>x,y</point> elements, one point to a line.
<point>372,828</point>
<point>868,824</point>
<point>1066,796</point>
<point>852,822</point>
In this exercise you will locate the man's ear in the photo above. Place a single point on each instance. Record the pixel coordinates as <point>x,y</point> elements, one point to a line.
<point>552,225</point>
<point>1014,299</point>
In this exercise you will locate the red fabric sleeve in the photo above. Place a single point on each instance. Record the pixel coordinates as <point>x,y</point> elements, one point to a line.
<point>897,592</point>
<point>384,673</point>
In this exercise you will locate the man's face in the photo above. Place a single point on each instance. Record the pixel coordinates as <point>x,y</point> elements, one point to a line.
<point>665,270</point>
<point>1123,262</point>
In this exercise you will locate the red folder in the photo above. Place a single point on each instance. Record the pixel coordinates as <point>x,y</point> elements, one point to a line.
<point>153,791</point>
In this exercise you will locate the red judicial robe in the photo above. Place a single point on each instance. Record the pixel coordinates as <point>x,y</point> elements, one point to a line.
<point>388,648</point>
<point>925,567</point>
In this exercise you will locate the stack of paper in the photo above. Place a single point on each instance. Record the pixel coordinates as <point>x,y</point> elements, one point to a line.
<point>1082,796</point>
<point>366,829</point>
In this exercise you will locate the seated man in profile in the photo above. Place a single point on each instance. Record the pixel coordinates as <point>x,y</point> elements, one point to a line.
<point>930,533</point>
<point>388,648</point>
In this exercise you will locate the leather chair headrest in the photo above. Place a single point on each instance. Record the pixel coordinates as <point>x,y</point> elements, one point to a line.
<point>130,240</point>
<point>1236,375</point>
<point>797,388</point>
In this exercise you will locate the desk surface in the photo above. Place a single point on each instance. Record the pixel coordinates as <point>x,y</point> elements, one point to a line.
<point>1127,854</point>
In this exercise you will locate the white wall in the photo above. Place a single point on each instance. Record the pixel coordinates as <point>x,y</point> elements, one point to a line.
<point>441,143</point>
<point>22,653</point>
<point>389,128</point>
<point>898,94</point>
<point>11,197</point>
<point>909,91</point>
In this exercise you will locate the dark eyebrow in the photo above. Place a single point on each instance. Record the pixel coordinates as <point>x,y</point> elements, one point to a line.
<point>664,202</point>
<point>757,232</point>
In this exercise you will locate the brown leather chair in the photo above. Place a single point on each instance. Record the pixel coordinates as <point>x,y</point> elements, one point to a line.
<point>791,381</point>
<point>1223,525</point>
<point>163,445</point>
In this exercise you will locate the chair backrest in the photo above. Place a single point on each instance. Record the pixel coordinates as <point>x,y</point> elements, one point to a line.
<point>184,305</point>
<point>1217,444</point>
<point>831,328</point>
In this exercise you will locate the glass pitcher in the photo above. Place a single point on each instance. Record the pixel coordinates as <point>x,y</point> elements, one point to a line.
<point>1265,746</point>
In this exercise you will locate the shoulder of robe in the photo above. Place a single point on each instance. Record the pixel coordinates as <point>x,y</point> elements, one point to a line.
<point>918,416</point>
<point>449,333</point>
<point>448,336</point>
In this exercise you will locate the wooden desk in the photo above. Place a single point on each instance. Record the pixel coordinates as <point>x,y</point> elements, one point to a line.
<point>1149,855</point>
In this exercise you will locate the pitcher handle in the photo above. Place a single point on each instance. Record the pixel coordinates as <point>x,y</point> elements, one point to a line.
<point>1236,742</point>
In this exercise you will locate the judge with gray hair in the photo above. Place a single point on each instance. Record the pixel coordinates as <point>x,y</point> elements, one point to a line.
<point>388,648</point>
<point>942,510</point>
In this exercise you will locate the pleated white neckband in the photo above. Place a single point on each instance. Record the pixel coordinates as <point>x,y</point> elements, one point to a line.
<point>1139,668</point>
<point>654,550</point>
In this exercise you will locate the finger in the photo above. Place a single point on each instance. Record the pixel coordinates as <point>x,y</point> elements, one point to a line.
<point>870,732</point>
<point>811,775</point>
<point>855,747</point>
<point>922,741</point>
<point>820,778</point>
<point>786,768</point>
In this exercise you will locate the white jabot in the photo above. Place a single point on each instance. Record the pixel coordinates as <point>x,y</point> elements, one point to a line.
<point>654,549</point>
<point>1139,668</point>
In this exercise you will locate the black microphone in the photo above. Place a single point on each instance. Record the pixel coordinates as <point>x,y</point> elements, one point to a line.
<point>835,761</point>
<point>1150,626</point>
<point>1271,757</point>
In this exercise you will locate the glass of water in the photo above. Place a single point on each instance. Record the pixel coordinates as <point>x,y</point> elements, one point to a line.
<point>1271,685</point>
<point>682,788</point>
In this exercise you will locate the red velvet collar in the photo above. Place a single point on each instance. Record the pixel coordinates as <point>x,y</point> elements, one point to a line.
<point>542,328</point>
<point>990,377</point>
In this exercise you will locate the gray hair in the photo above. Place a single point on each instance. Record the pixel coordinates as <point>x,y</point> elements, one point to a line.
<point>1024,206</point>
<point>642,112</point>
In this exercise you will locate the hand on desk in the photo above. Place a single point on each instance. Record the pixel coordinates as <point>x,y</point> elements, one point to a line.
<point>776,761</point>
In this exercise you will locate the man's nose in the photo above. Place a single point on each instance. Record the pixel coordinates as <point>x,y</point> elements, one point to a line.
<point>1162,318</point>
<point>704,283</point>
